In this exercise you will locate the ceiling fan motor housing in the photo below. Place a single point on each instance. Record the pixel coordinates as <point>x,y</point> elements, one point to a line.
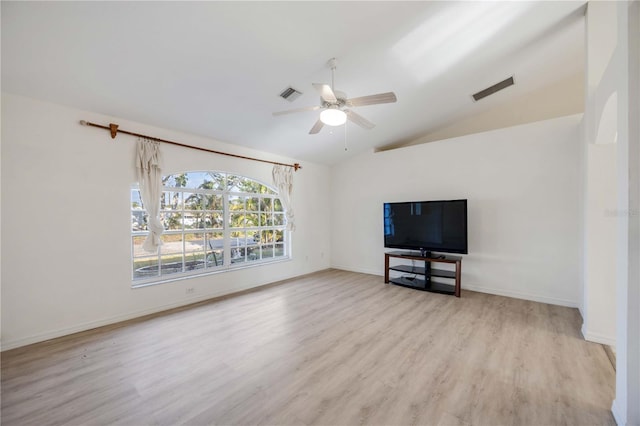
<point>341,101</point>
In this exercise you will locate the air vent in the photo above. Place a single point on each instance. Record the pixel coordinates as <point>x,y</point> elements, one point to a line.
<point>493,89</point>
<point>290,94</point>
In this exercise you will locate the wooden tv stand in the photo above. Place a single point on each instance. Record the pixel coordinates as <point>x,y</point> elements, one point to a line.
<point>426,272</point>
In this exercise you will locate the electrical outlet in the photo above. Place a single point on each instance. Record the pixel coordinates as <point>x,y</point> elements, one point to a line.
<point>190,290</point>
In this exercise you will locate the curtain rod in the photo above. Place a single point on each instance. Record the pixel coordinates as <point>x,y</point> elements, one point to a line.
<point>113,128</point>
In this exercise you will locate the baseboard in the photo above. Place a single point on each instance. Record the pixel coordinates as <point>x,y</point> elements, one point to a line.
<point>617,413</point>
<point>481,289</point>
<point>360,270</point>
<point>520,295</point>
<point>597,337</point>
<point>41,337</point>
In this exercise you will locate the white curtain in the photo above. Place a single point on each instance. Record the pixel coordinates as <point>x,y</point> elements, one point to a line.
<point>149,173</point>
<point>283,180</point>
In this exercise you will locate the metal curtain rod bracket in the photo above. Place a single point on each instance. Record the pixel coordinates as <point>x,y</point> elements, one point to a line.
<point>114,130</point>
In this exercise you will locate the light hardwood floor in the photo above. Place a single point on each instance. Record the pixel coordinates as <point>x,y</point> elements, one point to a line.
<point>330,348</point>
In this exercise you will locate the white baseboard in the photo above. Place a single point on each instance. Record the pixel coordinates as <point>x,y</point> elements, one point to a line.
<point>360,270</point>
<point>597,337</point>
<point>52,334</point>
<point>521,295</point>
<point>617,413</point>
<point>481,289</point>
<point>6,345</point>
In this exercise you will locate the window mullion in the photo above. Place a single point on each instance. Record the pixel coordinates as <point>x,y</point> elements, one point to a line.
<point>182,236</point>
<point>226,232</point>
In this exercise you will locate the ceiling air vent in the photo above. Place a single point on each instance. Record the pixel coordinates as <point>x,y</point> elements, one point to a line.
<point>493,89</point>
<point>290,94</point>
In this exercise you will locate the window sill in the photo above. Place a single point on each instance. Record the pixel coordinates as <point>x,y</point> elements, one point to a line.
<point>188,275</point>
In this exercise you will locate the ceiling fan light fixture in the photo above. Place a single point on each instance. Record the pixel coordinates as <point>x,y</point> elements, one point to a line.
<point>333,117</point>
<point>336,107</point>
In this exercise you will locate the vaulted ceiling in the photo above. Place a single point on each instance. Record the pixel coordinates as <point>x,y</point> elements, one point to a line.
<point>216,69</point>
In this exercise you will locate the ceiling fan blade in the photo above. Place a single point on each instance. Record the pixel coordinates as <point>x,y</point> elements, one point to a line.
<point>380,98</point>
<point>326,92</point>
<point>316,127</point>
<point>359,120</point>
<point>290,111</point>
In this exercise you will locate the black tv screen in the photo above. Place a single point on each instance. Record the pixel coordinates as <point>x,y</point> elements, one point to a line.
<point>426,226</point>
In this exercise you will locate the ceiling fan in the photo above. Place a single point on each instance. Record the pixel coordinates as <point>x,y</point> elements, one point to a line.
<point>335,104</point>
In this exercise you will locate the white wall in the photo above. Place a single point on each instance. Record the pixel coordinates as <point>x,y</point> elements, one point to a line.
<point>600,220</point>
<point>66,222</point>
<point>523,185</point>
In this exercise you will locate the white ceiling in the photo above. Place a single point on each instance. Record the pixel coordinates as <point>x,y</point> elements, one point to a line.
<point>216,68</point>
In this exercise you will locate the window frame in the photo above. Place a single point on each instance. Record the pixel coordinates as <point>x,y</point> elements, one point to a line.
<point>266,231</point>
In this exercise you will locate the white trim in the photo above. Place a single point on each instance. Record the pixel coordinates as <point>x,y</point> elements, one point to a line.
<point>617,414</point>
<point>597,337</point>
<point>360,270</point>
<point>481,289</point>
<point>525,296</point>
<point>210,271</point>
<point>41,337</point>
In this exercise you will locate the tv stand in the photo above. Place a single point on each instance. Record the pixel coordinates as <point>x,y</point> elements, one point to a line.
<point>424,274</point>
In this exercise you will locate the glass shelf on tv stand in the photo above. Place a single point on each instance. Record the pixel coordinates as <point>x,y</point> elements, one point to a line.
<point>422,278</point>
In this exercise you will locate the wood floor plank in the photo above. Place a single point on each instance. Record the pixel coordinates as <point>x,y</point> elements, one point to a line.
<point>333,347</point>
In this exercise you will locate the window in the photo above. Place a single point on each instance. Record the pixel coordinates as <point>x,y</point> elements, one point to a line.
<point>213,221</point>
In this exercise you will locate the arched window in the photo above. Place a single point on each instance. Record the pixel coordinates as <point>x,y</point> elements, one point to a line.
<point>213,221</point>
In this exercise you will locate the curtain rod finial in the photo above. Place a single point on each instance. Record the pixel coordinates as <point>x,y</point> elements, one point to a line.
<point>296,166</point>
<point>83,123</point>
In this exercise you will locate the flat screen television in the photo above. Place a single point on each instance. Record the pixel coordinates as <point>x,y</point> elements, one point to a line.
<point>426,226</point>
